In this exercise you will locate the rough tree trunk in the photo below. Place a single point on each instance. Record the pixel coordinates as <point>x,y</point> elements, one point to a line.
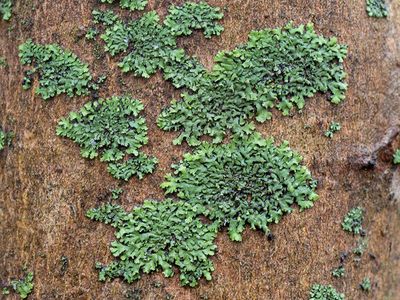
<point>46,187</point>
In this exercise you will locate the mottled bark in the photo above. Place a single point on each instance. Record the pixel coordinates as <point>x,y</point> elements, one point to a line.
<point>46,187</point>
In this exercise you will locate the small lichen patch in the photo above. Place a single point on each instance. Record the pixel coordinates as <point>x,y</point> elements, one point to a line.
<point>333,128</point>
<point>323,292</point>
<point>182,20</point>
<point>158,236</point>
<point>361,246</point>
<point>23,287</point>
<point>365,285</point>
<point>338,272</point>
<point>114,130</point>
<point>2,139</point>
<point>352,222</point>
<point>129,4</point>
<point>5,139</point>
<point>246,181</point>
<point>91,34</point>
<point>116,193</point>
<point>396,157</point>
<point>377,8</point>
<point>6,9</point>
<point>59,70</point>
<point>3,62</point>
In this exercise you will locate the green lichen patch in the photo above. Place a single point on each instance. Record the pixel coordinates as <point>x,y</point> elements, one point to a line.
<point>116,193</point>
<point>151,43</point>
<point>2,140</point>
<point>338,272</point>
<point>377,8</point>
<point>158,236</point>
<point>276,68</point>
<point>362,245</point>
<point>3,62</point>
<point>91,34</point>
<point>59,70</point>
<point>352,222</point>
<point>333,128</point>
<point>246,181</point>
<point>23,287</point>
<point>138,166</point>
<point>6,9</point>
<point>129,4</point>
<point>365,285</point>
<point>181,20</point>
<point>5,139</point>
<point>396,157</point>
<point>105,17</point>
<point>325,292</point>
<point>150,46</point>
<point>113,130</point>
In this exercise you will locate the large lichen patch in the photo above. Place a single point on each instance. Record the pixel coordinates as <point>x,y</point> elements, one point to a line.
<point>246,181</point>
<point>276,68</point>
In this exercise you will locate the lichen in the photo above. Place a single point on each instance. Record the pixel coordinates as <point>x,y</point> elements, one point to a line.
<point>246,181</point>
<point>158,235</point>
<point>352,222</point>
<point>377,8</point>
<point>114,130</point>
<point>6,9</point>
<point>325,292</point>
<point>59,71</point>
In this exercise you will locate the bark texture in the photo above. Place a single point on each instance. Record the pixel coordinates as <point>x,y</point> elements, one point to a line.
<point>46,187</point>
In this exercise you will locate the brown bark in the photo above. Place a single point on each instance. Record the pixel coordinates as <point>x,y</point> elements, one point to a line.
<point>46,187</point>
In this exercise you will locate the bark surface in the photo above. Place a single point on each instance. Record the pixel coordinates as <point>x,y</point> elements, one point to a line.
<point>46,187</point>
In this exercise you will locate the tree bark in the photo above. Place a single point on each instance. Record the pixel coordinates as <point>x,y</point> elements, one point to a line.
<point>46,187</point>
